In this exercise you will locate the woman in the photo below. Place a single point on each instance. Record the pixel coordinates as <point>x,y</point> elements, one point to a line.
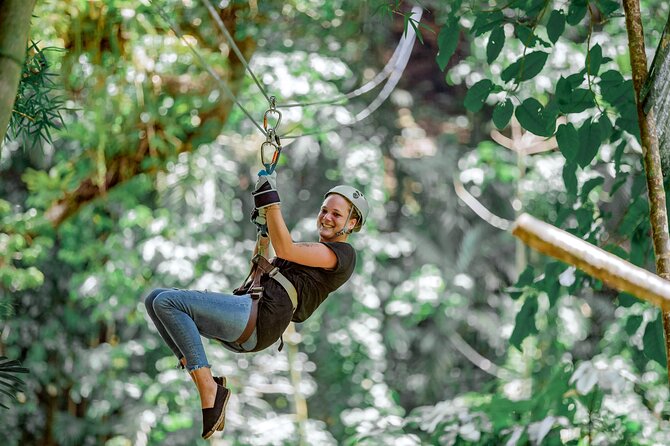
<point>313,269</point>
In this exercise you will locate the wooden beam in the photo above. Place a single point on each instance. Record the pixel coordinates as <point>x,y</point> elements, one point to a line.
<point>612,270</point>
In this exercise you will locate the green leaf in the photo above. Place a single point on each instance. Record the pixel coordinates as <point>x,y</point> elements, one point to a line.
<point>639,246</point>
<point>486,21</point>
<point>495,44</point>
<point>530,7</point>
<point>606,128</point>
<point>477,94</point>
<point>594,59</point>
<point>502,113</point>
<point>526,277</point>
<point>654,341</point>
<point>580,99</point>
<point>568,141</point>
<point>447,41</point>
<point>607,7</point>
<point>570,178</point>
<point>571,99</point>
<point>533,117</point>
<point>618,153</point>
<point>628,119</point>
<point>589,143</point>
<point>524,324</point>
<point>556,25</point>
<point>576,12</point>
<point>635,215</point>
<point>551,284</point>
<point>527,36</point>
<point>615,89</point>
<point>526,67</point>
<point>589,186</point>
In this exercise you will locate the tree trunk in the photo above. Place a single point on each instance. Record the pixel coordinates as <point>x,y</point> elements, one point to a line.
<point>658,215</point>
<point>14,26</point>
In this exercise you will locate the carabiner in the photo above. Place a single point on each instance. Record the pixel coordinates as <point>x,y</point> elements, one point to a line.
<point>272,110</point>
<point>270,160</point>
<point>265,119</point>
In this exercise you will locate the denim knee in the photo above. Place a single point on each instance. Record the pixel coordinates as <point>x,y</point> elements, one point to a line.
<point>149,300</point>
<point>163,300</point>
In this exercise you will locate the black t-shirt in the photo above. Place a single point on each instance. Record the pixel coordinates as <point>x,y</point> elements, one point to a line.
<point>313,286</point>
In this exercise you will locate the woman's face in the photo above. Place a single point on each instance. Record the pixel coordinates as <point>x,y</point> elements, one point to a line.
<point>333,217</point>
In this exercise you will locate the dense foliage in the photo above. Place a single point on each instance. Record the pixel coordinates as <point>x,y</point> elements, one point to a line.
<point>449,332</point>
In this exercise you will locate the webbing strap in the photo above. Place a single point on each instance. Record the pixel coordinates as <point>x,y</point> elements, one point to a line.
<point>262,266</point>
<point>288,286</point>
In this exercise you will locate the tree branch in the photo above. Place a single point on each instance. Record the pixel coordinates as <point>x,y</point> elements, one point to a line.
<point>612,270</point>
<point>123,167</point>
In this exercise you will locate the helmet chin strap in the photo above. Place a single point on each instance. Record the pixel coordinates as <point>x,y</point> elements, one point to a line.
<point>344,229</point>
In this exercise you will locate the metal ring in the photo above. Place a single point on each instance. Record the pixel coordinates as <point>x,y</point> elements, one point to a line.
<point>265,119</point>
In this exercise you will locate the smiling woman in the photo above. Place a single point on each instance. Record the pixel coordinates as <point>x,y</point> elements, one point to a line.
<point>291,287</point>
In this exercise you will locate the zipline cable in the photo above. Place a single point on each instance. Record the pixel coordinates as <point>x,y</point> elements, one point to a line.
<point>404,45</point>
<point>393,80</point>
<point>233,45</point>
<point>392,70</point>
<point>175,29</point>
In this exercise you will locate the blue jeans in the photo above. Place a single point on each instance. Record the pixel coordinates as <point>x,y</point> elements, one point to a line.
<point>181,316</point>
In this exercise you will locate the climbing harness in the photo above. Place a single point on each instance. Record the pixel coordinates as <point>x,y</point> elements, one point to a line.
<point>252,286</point>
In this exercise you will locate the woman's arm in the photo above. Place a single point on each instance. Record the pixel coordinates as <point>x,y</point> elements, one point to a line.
<point>308,254</point>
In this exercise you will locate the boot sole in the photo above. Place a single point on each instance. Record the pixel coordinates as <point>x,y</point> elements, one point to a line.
<point>221,420</point>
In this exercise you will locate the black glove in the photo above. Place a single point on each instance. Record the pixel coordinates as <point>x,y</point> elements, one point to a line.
<point>266,193</point>
<point>258,218</point>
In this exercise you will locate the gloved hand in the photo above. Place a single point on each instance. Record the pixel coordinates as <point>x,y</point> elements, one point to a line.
<point>258,218</point>
<point>265,194</point>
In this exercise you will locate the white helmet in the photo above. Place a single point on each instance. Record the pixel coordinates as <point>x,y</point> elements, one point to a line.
<point>357,200</point>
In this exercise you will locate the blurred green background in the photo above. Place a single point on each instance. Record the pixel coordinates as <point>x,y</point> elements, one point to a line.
<point>450,331</point>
